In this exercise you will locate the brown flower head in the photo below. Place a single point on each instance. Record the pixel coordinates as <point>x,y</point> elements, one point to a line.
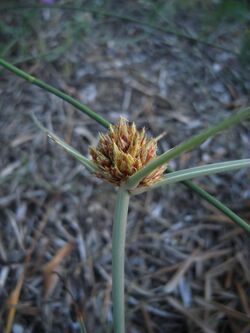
<point>122,152</point>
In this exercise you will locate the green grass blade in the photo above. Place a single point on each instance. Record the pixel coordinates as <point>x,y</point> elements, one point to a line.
<point>82,159</point>
<point>220,206</point>
<point>215,202</point>
<point>83,108</point>
<point>212,200</point>
<point>187,145</point>
<point>196,172</point>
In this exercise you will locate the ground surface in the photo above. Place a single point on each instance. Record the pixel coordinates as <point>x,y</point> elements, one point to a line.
<point>187,266</point>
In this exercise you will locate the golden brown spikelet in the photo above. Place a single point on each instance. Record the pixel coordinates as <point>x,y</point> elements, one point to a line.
<point>122,151</point>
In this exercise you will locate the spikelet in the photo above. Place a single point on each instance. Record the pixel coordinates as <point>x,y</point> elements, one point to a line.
<point>122,152</point>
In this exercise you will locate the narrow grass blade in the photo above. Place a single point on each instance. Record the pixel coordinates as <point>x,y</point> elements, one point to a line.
<point>189,144</point>
<point>220,206</point>
<point>205,170</point>
<point>216,203</point>
<point>82,159</point>
<point>83,108</point>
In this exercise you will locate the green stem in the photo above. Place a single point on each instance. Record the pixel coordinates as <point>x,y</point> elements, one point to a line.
<point>187,145</point>
<point>54,91</point>
<point>118,255</point>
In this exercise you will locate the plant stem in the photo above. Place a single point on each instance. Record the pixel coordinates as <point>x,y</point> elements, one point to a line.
<point>83,108</point>
<point>118,258</point>
<point>187,145</point>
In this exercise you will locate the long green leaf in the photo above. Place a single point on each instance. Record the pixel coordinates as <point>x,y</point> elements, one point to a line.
<point>217,204</point>
<point>82,159</point>
<point>214,202</point>
<point>187,174</point>
<point>189,144</point>
<point>83,108</point>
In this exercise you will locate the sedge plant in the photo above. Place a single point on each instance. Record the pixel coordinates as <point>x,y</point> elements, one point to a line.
<point>127,158</point>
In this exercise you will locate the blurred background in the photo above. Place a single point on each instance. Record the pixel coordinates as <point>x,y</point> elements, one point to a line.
<point>172,66</point>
